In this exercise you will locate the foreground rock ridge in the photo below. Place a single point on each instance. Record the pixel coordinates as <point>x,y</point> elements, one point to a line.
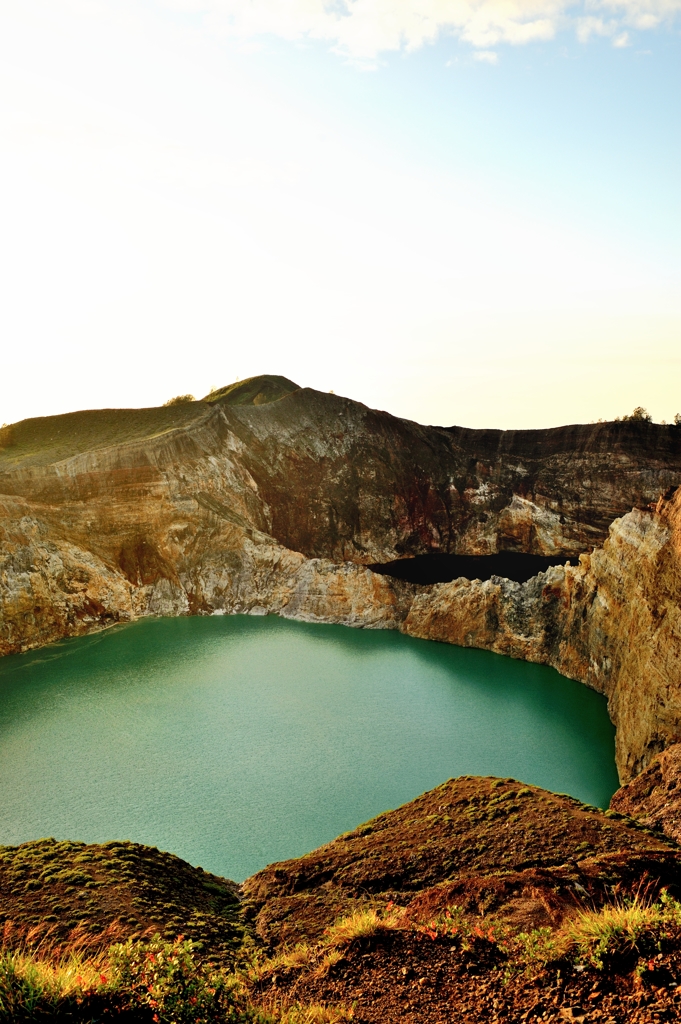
<point>461,905</point>
<point>269,498</point>
<point>488,845</point>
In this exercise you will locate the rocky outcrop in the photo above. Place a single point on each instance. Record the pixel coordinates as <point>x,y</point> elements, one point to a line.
<point>612,622</point>
<point>654,796</point>
<point>267,498</point>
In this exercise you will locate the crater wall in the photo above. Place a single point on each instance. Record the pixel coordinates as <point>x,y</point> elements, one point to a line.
<point>280,506</point>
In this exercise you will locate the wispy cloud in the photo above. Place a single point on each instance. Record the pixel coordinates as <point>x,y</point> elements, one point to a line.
<point>486,56</point>
<point>363,29</point>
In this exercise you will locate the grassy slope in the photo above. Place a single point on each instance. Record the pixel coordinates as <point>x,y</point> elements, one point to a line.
<point>49,439</point>
<point>44,440</point>
<point>116,888</point>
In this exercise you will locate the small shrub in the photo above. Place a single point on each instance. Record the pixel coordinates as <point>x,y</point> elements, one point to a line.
<point>638,415</point>
<point>179,400</point>
<point>7,435</point>
<point>166,978</point>
<point>534,949</point>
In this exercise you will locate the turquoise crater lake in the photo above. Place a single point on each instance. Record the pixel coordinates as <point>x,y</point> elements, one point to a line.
<point>238,741</point>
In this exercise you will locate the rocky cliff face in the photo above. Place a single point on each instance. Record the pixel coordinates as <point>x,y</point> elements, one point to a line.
<point>613,622</point>
<point>269,498</point>
<point>330,478</point>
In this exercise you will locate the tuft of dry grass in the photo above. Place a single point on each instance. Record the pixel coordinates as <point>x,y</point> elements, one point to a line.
<point>315,1013</point>
<point>633,927</point>
<point>361,926</point>
<point>620,934</point>
<point>33,985</point>
<point>280,1008</point>
<point>327,962</point>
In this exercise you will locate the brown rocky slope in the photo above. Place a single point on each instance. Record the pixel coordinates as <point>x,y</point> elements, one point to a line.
<point>493,847</point>
<point>654,796</point>
<point>455,907</point>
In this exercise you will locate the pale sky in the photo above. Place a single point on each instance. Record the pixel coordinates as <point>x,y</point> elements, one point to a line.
<point>462,211</point>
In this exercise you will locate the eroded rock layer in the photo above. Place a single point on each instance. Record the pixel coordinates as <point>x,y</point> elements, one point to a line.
<point>654,796</point>
<point>333,479</point>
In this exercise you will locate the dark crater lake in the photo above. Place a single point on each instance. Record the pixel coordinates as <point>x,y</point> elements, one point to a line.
<point>236,741</point>
<point>441,568</point>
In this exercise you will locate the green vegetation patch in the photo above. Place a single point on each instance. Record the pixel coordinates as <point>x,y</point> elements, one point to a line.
<point>254,391</point>
<point>115,890</point>
<point>49,439</point>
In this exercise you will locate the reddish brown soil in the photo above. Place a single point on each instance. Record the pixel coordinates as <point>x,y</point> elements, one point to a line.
<point>490,846</point>
<point>654,796</point>
<point>496,850</point>
<point>413,979</point>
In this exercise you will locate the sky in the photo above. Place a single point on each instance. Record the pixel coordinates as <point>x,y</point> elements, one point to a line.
<point>460,211</point>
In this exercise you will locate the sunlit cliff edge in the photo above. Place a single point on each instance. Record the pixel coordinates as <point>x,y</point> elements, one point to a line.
<point>269,498</point>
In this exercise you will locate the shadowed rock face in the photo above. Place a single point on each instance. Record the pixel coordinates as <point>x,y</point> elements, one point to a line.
<point>269,498</point>
<point>439,568</point>
<point>348,483</point>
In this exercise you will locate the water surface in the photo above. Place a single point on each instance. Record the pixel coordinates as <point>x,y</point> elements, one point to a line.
<point>237,741</point>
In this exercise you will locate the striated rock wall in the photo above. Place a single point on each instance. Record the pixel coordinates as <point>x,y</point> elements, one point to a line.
<point>333,479</point>
<point>56,582</point>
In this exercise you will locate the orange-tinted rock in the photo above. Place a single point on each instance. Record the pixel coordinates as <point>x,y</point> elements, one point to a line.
<point>612,622</point>
<point>654,796</point>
